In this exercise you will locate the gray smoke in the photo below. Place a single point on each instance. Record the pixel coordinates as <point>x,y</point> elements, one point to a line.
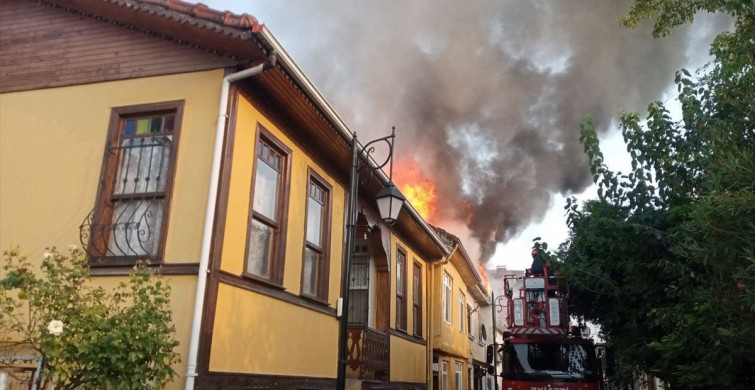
<point>486,96</point>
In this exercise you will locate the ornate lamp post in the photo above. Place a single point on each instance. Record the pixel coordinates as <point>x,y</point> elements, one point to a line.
<point>389,201</point>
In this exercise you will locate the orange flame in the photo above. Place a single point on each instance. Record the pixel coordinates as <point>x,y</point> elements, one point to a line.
<point>484,275</point>
<point>418,189</point>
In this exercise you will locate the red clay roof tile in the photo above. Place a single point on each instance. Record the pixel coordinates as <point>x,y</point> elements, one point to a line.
<point>202,11</point>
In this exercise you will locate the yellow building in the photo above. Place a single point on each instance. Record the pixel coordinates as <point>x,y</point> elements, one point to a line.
<point>166,130</point>
<point>456,287</point>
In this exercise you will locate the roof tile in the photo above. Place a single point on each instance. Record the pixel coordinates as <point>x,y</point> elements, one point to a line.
<point>202,11</point>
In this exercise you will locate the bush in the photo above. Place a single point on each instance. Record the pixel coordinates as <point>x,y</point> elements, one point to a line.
<point>87,337</point>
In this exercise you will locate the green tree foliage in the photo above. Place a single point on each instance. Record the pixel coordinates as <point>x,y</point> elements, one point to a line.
<point>119,339</point>
<point>664,259</point>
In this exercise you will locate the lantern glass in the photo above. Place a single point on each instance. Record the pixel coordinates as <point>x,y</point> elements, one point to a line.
<point>389,201</point>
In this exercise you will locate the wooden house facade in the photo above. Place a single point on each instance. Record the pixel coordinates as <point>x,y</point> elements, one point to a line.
<point>169,131</point>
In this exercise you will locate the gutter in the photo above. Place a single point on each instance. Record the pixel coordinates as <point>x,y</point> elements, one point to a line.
<point>212,196</point>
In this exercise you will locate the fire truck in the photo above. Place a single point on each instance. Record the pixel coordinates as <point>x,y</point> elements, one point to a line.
<point>542,350</point>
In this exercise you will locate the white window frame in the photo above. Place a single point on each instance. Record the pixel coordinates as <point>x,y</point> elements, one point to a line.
<point>462,306</point>
<point>444,375</point>
<point>447,288</point>
<point>457,378</point>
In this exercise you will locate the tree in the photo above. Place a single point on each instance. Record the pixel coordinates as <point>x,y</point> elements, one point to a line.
<point>664,259</point>
<point>87,337</point>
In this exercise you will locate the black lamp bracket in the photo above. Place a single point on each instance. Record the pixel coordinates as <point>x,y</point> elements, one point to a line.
<point>366,153</point>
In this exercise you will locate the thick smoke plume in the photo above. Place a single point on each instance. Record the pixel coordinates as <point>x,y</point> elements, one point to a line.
<point>486,96</point>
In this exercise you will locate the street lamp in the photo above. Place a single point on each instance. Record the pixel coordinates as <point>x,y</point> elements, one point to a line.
<point>389,201</point>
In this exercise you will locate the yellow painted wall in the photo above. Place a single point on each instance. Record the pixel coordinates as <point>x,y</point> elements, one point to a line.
<point>447,337</point>
<point>239,199</point>
<point>254,333</point>
<point>51,149</point>
<point>260,334</point>
<point>408,361</point>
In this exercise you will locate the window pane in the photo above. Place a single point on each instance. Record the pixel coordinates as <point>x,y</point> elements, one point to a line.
<point>309,279</point>
<point>360,269</point>
<point>155,124</point>
<point>447,297</point>
<point>142,165</point>
<point>458,376</point>
<point>314,222</point>
<point>417,288</point>
<point>444,376</point>
<point>260,245</point>
<point>170,121</point>
<point>142,126</point>
<point>399,275</point>
<point>129,127</point>
<point>265,190</point>
<point>136,228</point>
<point>359,289</point>
<point>461,312</point>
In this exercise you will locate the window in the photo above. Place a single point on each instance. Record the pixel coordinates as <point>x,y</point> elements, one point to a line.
<point>400,289</point>
<point>462,306</point>
<point>359,286</point>
<point>129,221</point>
<point>264,257</point>
<point>417,298</point>
<point>444,375</point>
<point>315,263</point>
<point>470,378</point>
<point>447,288</point>
<point>469,321</point>
<point>458,376</point>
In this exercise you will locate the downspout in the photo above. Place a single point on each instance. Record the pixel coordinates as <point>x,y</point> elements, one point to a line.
<point>212,195</point>
<point>448,257</point>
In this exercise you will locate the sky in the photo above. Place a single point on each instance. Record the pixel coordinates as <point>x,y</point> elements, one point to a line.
<point>486,96</point>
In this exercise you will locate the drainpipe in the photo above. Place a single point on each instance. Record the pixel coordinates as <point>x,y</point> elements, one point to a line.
<point>212,195</point>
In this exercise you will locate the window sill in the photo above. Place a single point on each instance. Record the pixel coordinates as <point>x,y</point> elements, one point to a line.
<point>162,269</point>
<point>271,290</point>
<point>314,299</point>
<point>402,334</point>
<point>121,261</point>
<point>263,281</point>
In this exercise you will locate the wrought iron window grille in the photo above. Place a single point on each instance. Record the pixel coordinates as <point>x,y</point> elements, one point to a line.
<point>127,225</point>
